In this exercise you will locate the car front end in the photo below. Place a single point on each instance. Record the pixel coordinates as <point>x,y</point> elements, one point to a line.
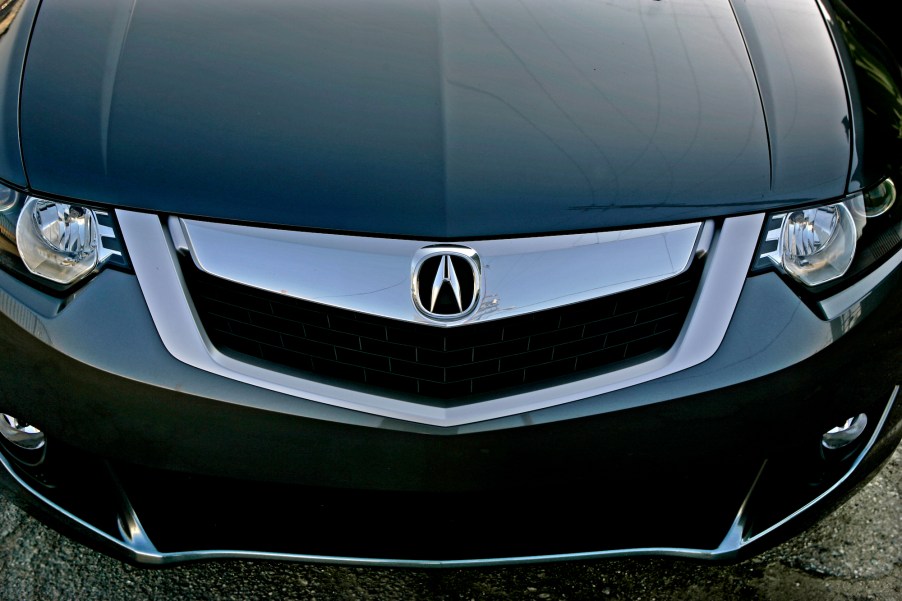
<point>444,284</point>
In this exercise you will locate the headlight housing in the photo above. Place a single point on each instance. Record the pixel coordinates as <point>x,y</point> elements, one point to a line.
<point>830,245</point>
<point>53,243</point>
<point>817,245</point>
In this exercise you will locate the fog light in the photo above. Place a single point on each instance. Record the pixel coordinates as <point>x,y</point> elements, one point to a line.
<point>845,434</point>
<point>23,435</point>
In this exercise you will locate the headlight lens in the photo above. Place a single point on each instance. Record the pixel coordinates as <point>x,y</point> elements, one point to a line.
<point>817,246</point>
<point>57,241</point>
<point>60,243</point>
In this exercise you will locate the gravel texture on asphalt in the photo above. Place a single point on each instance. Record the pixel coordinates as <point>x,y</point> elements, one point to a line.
<point>856,553</point>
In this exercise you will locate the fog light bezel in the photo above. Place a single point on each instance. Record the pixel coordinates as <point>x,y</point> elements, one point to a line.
<point>25,443</point>
<point>840,437</point>
<point>22,434</point>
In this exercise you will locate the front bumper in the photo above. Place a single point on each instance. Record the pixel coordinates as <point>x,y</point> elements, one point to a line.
<point>158,462</point>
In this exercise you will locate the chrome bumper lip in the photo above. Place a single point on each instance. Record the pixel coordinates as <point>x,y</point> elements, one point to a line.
<point>153,256</point>
<point>136,544</point>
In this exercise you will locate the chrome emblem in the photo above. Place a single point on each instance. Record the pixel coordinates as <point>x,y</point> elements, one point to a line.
<point>445,281</point>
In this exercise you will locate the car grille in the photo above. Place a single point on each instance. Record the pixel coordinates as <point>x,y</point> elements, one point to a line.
<point>441,363</point>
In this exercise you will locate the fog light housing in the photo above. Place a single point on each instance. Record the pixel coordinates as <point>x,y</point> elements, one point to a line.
<point>844,435</point>
<point>57,241</point>
<point>21,434</point>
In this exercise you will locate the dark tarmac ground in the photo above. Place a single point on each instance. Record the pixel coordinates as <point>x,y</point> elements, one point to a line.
<point>856,553</point>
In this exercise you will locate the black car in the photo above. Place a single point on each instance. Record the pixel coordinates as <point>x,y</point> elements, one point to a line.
<point>428,282</point>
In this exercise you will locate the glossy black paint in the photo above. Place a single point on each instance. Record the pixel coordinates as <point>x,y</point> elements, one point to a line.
<point>436,119</point>
<point>15,27</point>
<point>880,18</point>
<point>876,89</point>
<point>671,474</point>
<point>153,403</point>
<point>808,123</point>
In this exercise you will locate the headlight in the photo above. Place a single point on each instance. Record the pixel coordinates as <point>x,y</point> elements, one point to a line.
<point>824,246</point>
<point>60,243</point>
<point>817,245</point>
<point>57,241</point>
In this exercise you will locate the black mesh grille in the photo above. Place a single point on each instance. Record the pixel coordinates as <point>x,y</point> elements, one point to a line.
<point>442,363</point>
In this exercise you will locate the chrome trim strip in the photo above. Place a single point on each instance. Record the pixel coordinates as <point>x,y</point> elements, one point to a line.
<point>705,238</point>
<point>729,546</point>
<point>104,231</point>
<point>773,235</point>
<point>846,476</point>
<point>156,265</point>
<point>373,275</point>
<point>841,302</point>
<point>130,528</point>
<point>736,534</point>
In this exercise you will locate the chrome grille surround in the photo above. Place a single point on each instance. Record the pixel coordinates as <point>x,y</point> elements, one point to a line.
<point>154,250</point>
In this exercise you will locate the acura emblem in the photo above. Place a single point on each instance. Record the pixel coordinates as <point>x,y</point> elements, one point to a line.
<point>445,281</point>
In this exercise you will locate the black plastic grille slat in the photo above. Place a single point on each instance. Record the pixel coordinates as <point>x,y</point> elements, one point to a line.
<point>441,362</point>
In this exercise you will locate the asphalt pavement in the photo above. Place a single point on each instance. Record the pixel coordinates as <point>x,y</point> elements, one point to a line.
<point>856,553</point>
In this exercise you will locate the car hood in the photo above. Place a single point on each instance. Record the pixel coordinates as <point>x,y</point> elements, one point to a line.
<point>437,119</point>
